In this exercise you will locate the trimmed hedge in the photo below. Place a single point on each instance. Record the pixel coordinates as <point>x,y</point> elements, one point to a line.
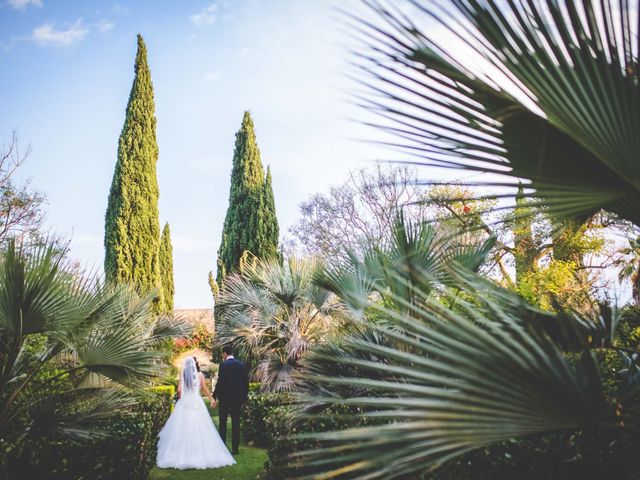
<point>269,421</point>
<point>256,412</point>
<point>128,452</point>
<point>283,423</point>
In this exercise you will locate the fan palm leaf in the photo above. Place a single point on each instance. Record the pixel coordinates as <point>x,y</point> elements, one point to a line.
<point>444,382</point>
<point>417,259</point>
<point>69,347</point>
<point>273,313</point>
<point>551,94</point>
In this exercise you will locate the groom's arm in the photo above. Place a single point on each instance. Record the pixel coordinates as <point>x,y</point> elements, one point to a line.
<point>219,383</point>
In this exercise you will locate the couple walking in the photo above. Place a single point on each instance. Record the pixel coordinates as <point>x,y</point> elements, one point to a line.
<point>189,439</point>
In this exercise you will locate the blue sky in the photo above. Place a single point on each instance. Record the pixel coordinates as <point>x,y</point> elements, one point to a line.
<point>67,70</point>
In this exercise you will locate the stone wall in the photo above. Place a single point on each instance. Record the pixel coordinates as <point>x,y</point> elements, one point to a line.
<point>197,315</point>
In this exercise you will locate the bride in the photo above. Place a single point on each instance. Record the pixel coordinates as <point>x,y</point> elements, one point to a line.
<point>189,439</point>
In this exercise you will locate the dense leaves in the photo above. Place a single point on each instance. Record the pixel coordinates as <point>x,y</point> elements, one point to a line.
<point>447,382</point>
<point>273,313</point>
<point>166,270</point>
<point>132,225</point>
<point>250,224</point>
<point>71,350</point>
<point>126,450</point>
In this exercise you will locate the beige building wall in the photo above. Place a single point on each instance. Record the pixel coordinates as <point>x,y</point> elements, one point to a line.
<point>197,315</point>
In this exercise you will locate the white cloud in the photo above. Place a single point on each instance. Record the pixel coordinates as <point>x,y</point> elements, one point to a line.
<point>117,8</point>
<point>104,25</point>
<point>47,35</point>
<point>205,18</point>
<point>211,76</point>
<point>23,4</point>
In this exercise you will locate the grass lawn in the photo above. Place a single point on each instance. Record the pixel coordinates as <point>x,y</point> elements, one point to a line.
<point>249,466</point>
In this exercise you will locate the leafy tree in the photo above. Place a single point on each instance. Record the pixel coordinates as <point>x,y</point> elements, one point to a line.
<point>270,228</point>
<point>21,212</point>
<point>166,269</point>
<point>132,225</point>
<point>537,254</point>
<point>213,285</point>
<point>250,223</point>
<point>360,212</point>
<point>630,264</point>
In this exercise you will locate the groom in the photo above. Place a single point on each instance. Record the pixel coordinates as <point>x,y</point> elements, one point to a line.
<point>231,392</point>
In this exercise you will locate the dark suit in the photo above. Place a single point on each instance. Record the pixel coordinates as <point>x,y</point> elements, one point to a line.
<point>231,392</point>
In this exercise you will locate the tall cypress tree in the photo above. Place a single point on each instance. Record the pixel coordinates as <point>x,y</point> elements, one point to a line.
<point>132,227</point>
<point>166,269</point>
<point>247,225</point>
<point>271,230</point>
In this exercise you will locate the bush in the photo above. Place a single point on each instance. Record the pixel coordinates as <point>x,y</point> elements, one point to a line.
<point>127,451</point>
<point>283,424</point>
<point>257,409</point>
<point>201,337</point>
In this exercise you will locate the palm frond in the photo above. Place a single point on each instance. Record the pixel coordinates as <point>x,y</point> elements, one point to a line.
<point>550,94</point>
<point>444,382</point>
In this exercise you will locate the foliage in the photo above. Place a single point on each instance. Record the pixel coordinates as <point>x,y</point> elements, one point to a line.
<point>250,223</point>
<point>415,261</point>
<point>288,435</point>
<point>213,285</point>
<point>360,212</point>
<point>71,349</point>
<point>166,269</point>
<point>21,212</point>
<point>200,337</point>
<point>554,285</point>
<point>269,226</point>
<point>631,267</point>
<point>552,259</point>
<point>444,383</point>
<point>521,90</point>
<point>132,226</point>
<point>127,450</point>
<point>273,313</point>
<point>256,413</point>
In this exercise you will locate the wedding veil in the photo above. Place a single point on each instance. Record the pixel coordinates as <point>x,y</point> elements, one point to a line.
<point>189,372</point>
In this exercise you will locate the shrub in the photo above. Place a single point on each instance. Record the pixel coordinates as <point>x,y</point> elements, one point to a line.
<point>128,450</point>
<point>200,337</point>
<point>257,409</point>
<point>283,424</point>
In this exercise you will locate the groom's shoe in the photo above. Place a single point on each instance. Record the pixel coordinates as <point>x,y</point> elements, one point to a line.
<point>235,452</point>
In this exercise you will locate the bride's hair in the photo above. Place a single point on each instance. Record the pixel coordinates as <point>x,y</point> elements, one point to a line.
<point>195,359</point>
<point>189,373</point>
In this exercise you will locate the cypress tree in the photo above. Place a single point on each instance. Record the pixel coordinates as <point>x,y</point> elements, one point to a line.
<point>271,230</point>
<point>132,227</point>
<point>247,225</point>
<point>166,269</point>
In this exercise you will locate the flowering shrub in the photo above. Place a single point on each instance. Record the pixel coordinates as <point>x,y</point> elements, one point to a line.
<point>200,338</point>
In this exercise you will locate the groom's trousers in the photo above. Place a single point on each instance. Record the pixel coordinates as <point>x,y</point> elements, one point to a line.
<point>233,410</point>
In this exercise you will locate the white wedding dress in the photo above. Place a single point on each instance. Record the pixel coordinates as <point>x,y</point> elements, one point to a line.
<point>189,439</point>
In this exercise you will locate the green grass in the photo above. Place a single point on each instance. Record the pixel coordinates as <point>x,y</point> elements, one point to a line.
<point>249,466</point>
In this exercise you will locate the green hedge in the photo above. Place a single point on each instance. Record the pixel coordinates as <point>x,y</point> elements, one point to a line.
<point>256,412</point>
<point>269,421</point>
<point>128,452</point>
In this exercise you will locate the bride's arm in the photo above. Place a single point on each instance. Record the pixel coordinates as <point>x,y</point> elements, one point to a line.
<point>205,390</point>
